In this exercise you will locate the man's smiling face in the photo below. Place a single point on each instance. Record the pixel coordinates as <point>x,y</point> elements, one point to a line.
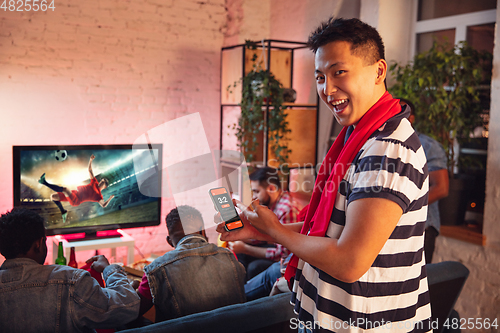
<point>346,82</point>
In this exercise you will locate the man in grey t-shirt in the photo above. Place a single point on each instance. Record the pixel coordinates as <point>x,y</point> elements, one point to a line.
<point>438,184</point>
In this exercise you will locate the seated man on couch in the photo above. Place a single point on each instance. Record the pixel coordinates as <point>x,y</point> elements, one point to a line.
<point>254,255</point>
<point>52,298</point>
<point>196,276</point>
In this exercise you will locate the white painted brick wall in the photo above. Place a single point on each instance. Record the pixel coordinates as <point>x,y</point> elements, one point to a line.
<point>480,297</point>
<point>94,72</point>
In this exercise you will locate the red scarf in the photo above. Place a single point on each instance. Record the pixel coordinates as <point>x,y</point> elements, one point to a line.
<point>338,159</point>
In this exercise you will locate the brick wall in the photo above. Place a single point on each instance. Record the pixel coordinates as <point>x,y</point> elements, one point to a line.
<point>104,72</point>
<point>480,296</point>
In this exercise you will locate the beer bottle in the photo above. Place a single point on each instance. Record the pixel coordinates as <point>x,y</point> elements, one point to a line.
<point>60,256</point>
<point>72,258</point>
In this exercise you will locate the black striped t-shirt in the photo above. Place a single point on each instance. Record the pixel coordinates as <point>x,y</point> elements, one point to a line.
<point>392,296</point>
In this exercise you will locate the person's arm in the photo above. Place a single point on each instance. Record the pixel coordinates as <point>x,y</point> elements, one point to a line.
<point>105,203</point>
<point>144,293</point>
<point>248,231</point>
<point>438,185</point>
<point>91,173</point>
<point>369,223</point>
<point>438,171</point>
<point>242,247</point>
<point>273,253</point>
<point>110,307</point>
<point>146,304</point>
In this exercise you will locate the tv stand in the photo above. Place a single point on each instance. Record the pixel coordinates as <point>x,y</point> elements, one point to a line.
<point>83,236</point>
<point>101,242</point>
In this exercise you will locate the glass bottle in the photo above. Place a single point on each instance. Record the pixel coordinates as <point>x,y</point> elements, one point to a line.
<point>72,258</point>
<point>60,255</point>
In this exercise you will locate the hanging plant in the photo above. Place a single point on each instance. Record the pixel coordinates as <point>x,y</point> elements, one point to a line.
<point>261,91</point>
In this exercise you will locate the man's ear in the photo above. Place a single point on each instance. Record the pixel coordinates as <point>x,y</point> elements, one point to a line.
<point>169,241</point>
<point>37,245</point>
<point>381,71</point>
<point>271,188</point>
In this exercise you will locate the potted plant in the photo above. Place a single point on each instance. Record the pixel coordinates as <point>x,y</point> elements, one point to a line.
<point>262,94</point>
<point>447,86</point>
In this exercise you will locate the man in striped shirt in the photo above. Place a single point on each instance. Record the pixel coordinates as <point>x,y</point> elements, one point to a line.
<point>359,263</point>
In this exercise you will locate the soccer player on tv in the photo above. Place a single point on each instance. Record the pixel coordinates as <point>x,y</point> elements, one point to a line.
<point>90,192</point>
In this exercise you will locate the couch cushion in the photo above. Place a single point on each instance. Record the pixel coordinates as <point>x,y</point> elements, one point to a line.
<point>243,317</point>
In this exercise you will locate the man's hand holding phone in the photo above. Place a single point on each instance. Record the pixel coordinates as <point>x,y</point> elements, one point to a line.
<point>224,205</point>
<point>247,232</point>
<point>263,219</point>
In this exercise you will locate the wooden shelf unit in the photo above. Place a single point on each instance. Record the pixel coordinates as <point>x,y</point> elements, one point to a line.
<point>283,60</point>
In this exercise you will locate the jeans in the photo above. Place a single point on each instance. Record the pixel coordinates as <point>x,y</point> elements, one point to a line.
<point>262,284</point>
<point>303,329</point>
<point>253,265</point>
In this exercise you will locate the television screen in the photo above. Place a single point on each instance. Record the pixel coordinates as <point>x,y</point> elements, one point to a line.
<point>89,188</point>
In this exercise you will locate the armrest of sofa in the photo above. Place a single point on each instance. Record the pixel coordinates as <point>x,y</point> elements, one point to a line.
<point>243,317</point>
<point>446,280</point>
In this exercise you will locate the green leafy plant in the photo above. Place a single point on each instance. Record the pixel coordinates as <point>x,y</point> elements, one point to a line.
<point>446,84</point>
<point>261,92</point>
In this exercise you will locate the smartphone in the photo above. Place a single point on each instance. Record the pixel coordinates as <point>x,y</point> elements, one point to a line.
<point>224,205</point>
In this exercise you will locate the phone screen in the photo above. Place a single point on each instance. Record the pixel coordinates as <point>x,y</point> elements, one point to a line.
<point>224,205</point>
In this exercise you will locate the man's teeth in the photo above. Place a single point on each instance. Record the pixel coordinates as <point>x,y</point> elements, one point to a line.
<point>339,101</point>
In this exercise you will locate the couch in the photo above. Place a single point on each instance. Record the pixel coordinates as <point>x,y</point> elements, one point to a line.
<point>267,314</point>
<point>274,313</point>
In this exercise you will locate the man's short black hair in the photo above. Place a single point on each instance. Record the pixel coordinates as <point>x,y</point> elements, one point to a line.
<point>185,218</point>
<point>19,229</point>
<point>365,40</point>
<point>266,176</point>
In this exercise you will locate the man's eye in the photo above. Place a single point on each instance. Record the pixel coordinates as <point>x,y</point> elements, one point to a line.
<point>339,72</point>
<point>320,78</point>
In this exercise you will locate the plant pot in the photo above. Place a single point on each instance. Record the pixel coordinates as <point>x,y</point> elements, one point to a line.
<point>452,208</point>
